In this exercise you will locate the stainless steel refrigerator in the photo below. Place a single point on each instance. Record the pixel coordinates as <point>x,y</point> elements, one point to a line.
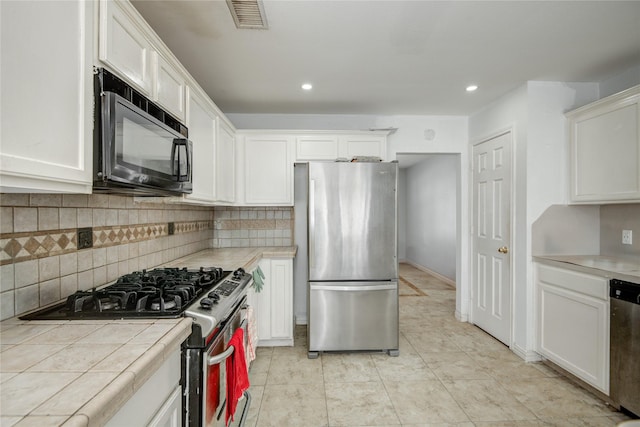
<point>352,257</point>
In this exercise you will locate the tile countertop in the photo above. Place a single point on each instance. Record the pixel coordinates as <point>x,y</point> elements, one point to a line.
<point>80,372</point>
<point>232,258</point>
<point>613,267</point>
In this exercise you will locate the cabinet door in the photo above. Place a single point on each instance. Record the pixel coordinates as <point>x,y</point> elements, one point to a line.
<point>156,399</point>
<point>605,150</point>
<point>281,280</point>
<point>46,106</point>
<point>268,170</point>
<point>170,88</point>
<point>263,304</point>
<point>320,147</point>
<point>123,46</point>
<point>202,132</point>
<point>362,145</point>
<point>225,164</point>
<point>573,330</point>
<point>273,306</point>
<point>170,415</point>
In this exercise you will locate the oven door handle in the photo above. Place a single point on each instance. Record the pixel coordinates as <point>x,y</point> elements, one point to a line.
<point>219,358</point>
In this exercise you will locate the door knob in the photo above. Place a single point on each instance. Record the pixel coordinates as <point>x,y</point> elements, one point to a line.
<point>503,250</point>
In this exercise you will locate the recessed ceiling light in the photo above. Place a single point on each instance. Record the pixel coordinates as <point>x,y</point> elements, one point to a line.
<point>307,86</point>
<point>471,88</point>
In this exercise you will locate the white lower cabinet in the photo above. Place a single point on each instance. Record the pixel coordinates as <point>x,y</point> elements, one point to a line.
<point>170,415</point>
<point>158,402</point>
<point>273,306</point>
<point>573,323</point>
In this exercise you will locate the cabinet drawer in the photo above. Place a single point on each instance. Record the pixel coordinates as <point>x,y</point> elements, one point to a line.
<point>597,287</point>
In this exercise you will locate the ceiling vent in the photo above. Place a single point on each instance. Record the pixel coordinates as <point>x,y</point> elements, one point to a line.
<point>248,14</point>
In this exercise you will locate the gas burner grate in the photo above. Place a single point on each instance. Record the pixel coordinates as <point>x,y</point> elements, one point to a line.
<point>147,293</point>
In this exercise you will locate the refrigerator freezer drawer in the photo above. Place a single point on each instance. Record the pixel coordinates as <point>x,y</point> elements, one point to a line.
<point>346,316</point>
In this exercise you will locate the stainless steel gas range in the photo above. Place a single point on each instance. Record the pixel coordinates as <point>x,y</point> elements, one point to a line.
<point>214,298</point>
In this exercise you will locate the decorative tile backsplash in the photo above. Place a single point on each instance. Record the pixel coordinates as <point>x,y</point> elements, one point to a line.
<point>41,263</point>
<point>253,227</point>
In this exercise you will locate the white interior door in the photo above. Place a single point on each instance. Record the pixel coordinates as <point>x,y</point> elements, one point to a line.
<point>491,282</point>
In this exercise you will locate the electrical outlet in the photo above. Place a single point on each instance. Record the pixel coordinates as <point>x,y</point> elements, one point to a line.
<point>85,238</point>
<point>627,237</point>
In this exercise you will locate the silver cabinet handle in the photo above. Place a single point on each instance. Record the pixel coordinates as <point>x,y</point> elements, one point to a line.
<point>214,360</point>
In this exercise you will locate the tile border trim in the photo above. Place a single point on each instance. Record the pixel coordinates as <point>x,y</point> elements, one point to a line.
<point>25,246</point>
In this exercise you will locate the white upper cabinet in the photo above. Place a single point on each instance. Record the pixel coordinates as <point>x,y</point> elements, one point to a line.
<point>330,145</point>
<point>350,146</point>
<point>604,142</point>
<point>202,126</point>
<point>127,48</point>
<point>267,170</point>
<point>123,45</point>
<point>316,147</point>
<point>46,107</point>
<point>170,88</point>
<point>225,164</point>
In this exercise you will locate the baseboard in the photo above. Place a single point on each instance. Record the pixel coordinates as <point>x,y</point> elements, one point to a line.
<point>287,342</point>
<point>527,355</point>
<point>301,319</point>
<point>461,317</point>
<point>433,273</point>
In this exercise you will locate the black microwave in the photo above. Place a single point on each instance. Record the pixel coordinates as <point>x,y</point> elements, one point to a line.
<point>139,148</point>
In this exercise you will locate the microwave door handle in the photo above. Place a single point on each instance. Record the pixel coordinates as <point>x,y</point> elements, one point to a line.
<point>174,148</point>
<point>187,152</point>
<point>180,142</point>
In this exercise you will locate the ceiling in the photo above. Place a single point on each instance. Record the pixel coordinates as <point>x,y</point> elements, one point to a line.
<point>393,57</point>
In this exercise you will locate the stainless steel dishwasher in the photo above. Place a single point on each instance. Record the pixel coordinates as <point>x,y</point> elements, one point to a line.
<point>625,345</point>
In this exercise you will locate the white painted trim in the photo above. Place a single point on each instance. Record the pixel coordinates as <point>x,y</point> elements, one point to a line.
<point>301,319</point>
<point>527,355</point>
<point>461,317</point>
<point>287,342</point>
<point>433,273</point>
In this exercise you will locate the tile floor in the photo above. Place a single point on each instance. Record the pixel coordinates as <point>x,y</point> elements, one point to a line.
<point>448,373</point>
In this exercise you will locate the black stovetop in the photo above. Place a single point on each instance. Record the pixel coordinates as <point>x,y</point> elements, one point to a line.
<point>161,292</point>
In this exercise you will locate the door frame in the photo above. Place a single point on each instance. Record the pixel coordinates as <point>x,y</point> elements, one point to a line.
<point>511,130</point>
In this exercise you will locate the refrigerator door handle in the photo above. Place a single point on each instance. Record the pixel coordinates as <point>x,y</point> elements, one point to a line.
<point>312,223</point>
<point>354,288</point>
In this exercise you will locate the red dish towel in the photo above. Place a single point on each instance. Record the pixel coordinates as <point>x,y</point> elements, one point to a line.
<point>237,375</point>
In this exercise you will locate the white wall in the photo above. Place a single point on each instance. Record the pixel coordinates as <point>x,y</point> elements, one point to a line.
<point>620,82</point>
<point>431,213</point>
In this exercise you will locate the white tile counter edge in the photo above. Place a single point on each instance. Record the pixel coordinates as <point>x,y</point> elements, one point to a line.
<point>106,402</point>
